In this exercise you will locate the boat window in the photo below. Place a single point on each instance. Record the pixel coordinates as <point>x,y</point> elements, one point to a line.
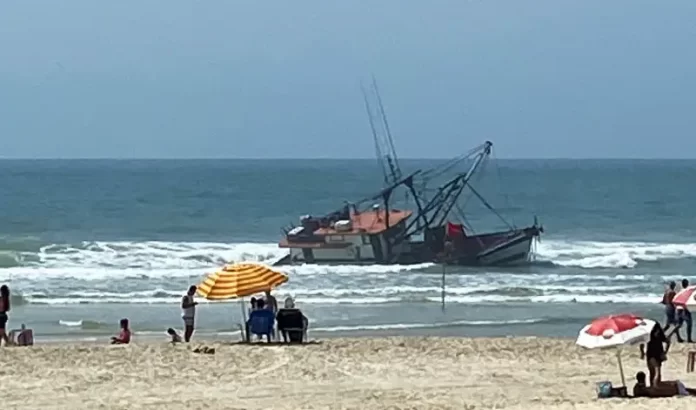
<point>335,238</point>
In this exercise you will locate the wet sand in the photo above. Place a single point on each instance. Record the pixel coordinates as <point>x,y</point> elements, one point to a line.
<point>360,373</point>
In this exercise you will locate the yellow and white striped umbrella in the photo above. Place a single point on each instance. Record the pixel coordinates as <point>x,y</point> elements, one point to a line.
<point>240,280</point>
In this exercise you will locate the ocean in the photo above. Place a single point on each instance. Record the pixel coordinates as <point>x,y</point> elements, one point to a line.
<point>84,243</point>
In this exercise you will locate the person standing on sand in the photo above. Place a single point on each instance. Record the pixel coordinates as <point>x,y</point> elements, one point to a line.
<point>684,317</point>
<point>670,310</point>
<point>272,305</point>
<point>4,308</point>
<point>656,353</point>
<point>188,312</point>
<point>271,302</point>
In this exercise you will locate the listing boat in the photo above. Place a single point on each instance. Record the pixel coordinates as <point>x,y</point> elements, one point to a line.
<point>371,231</point>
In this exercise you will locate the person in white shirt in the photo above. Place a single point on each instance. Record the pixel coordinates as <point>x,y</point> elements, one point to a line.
<point>188,313</point>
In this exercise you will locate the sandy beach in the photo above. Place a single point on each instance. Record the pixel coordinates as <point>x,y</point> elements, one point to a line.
<point>362,373</point>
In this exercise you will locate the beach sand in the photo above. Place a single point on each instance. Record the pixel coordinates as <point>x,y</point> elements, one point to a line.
<point>361,373</point>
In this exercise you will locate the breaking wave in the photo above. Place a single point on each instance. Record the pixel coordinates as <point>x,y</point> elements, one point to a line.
<point>156,272</point>
<point>590,255</point>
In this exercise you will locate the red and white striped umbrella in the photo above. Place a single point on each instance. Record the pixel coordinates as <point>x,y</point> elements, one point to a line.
<point>686,297</point>
<point>616,331</point>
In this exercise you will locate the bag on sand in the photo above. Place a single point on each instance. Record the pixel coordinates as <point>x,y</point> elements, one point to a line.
<point>604,390</point>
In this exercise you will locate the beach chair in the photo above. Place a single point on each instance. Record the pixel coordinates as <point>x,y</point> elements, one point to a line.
<point>292,325</point>
<point>261,324</point>
<point>22,336</point>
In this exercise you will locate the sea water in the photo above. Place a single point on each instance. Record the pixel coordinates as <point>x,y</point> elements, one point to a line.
<point>85,243</point>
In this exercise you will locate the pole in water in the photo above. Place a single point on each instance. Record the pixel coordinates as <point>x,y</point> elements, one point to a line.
<point>443,286</point>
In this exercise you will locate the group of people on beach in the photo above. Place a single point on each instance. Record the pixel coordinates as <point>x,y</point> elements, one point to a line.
<point>263,317</point>
<point>656,349</point>
<point>677,316</point>
<point>655,353</point>
<point>291,323</point>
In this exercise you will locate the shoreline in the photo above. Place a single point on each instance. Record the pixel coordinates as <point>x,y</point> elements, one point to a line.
<point>221,321</point>
<point>338,373</point>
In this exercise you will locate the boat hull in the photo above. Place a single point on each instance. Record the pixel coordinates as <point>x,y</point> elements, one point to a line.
<point>498,249</point>
<point>495,249</point>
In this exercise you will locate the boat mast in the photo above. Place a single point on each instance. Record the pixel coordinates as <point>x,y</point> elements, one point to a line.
<point>381,133</point>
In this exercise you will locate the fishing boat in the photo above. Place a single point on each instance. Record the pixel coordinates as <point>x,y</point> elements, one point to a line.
<point>376,231</point>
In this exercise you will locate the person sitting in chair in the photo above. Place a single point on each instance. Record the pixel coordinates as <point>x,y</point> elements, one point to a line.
<point>662,389</point>
<point>292,324</point>
<point>261,321</point>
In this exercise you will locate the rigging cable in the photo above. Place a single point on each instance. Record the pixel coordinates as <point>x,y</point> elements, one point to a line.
<point>502,191</point>
<point>442,169</point>
<point>490,208</point>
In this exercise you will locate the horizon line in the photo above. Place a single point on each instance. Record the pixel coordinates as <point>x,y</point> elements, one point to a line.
<point>334,159</point>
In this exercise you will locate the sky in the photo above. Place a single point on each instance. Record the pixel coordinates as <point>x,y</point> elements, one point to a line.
<point>281,79</point>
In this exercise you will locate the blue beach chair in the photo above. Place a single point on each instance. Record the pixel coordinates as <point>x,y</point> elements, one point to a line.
<point>261,323</point>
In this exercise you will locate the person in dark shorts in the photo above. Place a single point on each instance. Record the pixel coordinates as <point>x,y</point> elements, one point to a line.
<point>4,308</point>
<point>655,353</point>
<point>670,309</point>
<point>188,312</point>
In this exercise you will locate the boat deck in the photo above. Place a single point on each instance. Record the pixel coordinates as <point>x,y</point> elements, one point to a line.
<point>284,243</point>
<point>368,222</point>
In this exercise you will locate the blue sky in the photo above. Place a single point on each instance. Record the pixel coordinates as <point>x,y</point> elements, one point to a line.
<point>255,79</point>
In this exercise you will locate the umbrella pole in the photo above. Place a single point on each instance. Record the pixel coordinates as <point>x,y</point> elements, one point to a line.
<point>245,336</point>
<point>623,378</point>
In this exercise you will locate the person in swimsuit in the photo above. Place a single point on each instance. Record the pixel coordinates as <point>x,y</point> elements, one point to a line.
<point>670,310</point>
<point>188,313</point>
<point>4,308</point>
<point>656,353</point>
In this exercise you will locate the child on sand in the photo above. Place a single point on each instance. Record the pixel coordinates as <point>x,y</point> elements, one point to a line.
<point>124,336</point>
<point>174,335</point>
